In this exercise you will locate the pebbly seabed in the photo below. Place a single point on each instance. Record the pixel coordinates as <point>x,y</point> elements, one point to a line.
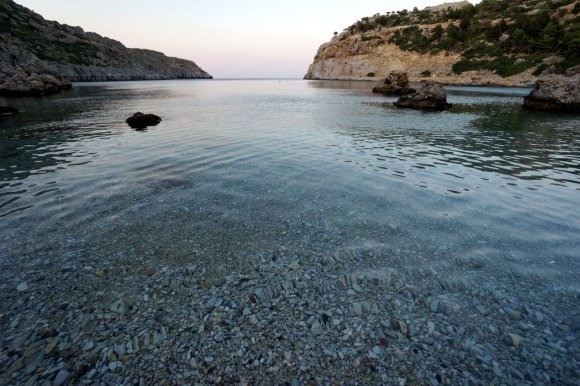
<point>293,232</point>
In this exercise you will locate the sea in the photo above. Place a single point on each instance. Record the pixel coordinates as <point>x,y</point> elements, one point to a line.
<point>240,167</point>
<point>281,230</point>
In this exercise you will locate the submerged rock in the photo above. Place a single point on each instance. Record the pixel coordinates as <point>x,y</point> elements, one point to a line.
<point>431,97</point>
<point>23,84</point>
<point>555,93</point>
<point>141,121</point>
<point>396,83</point>
<point>7,110</point>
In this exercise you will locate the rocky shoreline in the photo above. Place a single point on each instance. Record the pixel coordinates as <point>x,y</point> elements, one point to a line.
<point>34,85</point>
<point>417,80</point>
<point>355,315</point>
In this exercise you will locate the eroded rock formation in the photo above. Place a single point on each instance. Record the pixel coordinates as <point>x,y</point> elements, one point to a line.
<point>555,93</point>
<point>396,83</point>
<point>432,96</point>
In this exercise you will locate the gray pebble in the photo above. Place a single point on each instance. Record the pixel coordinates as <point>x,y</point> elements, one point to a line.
<point>61,377</point>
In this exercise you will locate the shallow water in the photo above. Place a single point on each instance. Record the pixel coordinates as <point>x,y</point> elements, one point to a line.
<point>240,168</point>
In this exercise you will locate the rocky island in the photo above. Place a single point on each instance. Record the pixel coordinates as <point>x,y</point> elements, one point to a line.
<point>33,46</point>
<point>506,43</point>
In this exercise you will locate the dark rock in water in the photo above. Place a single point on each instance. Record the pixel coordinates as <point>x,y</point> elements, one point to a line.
<point>555,93</point>
<point>141,121</point>
<point>431,97</point>
<point>7,110</point>
<point>23,84</point>
<point>397,83</point>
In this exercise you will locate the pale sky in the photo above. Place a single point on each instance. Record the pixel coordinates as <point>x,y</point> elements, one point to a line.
<point>227,38</point>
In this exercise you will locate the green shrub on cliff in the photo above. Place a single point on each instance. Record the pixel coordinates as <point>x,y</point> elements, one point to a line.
<point>503,66</point>
<point>496,32</point>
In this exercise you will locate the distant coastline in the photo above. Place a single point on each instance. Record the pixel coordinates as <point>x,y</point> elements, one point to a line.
<point>30,44</point>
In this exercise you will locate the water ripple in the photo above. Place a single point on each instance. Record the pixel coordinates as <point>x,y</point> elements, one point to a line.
<point>229,157</point>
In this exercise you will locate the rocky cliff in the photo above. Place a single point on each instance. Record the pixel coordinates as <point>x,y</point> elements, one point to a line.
<point>496,42</point>
<point>32,44</point>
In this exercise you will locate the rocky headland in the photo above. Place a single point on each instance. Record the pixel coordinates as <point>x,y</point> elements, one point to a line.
<point>492,43</point>
<point>29,45</point>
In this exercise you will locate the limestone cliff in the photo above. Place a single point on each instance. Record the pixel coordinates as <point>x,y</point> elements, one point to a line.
<point>32,44</point>
<point>497,42</point>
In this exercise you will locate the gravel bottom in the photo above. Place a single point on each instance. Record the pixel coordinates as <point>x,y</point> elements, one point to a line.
<point>364,314</point>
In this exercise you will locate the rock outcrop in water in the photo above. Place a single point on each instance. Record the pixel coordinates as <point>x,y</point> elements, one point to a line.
<point>555,93</point>
<point>431,97</point>
<point>22,84</point>
<point>396,83</point>
<point>491,43</point>
<point>141,121</point>
<point>33,45</point>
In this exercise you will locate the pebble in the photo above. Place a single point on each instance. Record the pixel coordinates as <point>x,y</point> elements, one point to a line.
<point>22,287</point>
<point>346,323</point>
<point>294,265</point>
<point>120,307</point>
<point>88,345</point>
<point>316,328</point>
<point>114,366</point>
<point>61,377</point>
<point>513,339</point>
<point>357,308</point>
<point>50,346</point>
<point>430,327</point>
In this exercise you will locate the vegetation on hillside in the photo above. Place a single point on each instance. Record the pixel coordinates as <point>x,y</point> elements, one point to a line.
<point>505,36</point>
<point>27,41</point>
<point>52,41</point>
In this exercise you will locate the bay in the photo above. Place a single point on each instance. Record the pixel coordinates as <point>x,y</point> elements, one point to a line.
<point>261,210</point>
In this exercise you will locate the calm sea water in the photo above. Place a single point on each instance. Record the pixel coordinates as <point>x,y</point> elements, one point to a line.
<point>244,167</point>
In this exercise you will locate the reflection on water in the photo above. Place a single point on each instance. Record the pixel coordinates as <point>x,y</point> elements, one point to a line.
<point>331,152</point>
<point>501,140</point>
<point>44,137</point>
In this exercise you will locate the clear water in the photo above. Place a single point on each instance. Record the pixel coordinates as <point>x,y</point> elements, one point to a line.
<point>239,168</point>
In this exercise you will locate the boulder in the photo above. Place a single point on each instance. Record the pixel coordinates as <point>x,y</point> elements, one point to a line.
<point>397,83</point>
<point>555,93</point>
<point>431,97</point>
<point>141,121</point>
<point>6,110</point>
<point>23,84</point>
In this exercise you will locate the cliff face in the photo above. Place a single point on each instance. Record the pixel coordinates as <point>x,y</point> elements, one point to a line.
<point>496,42</point>
<point>349,56</point>
<point>34,45</point>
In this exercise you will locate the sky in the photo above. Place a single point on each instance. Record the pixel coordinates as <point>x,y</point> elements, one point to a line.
<point>227,38</point>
